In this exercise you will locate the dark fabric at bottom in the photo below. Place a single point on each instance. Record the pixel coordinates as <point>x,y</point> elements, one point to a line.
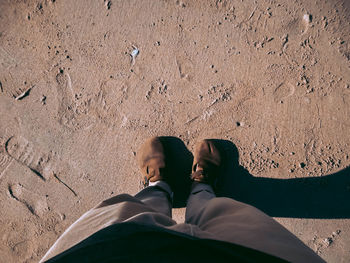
<point>132,242</point>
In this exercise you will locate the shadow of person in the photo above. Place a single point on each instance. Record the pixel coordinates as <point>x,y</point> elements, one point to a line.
<point>312,197</point>
<point>178,168</point>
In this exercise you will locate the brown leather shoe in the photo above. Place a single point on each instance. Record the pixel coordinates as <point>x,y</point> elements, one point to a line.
<point>206,162</point>
<point>151,159</point>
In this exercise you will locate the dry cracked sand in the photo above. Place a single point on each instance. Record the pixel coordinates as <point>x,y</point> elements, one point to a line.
<point>84,83</point>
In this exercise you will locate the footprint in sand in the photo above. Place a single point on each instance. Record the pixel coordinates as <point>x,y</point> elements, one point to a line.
<point>7,61</point>
<point>282,92</point>
<point>65,95</point>
<point>5,159</point>
<point>44,165</point>
<point>20,149</point>
<point>70,114</point>
<point>185,67</point>
<point>35,203</point>
<point>298,26</point>
<point>112,93</point>
<point>107,102</point>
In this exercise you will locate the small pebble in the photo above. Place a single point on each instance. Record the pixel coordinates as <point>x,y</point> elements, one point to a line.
<point>307,18</point>
<point>328,241</point>
<point>62,216</point>
<point>43,99</point>
<point>108,4</point>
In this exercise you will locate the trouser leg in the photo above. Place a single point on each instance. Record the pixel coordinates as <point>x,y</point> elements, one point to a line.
<point>197,201</point>
<point>232,221</point>
<point>151,206</point>
<point>157,196</point>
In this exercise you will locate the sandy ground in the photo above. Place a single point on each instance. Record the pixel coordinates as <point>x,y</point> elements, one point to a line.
<point>84,83</point>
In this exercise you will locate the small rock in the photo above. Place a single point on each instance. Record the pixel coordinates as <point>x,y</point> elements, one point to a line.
<point>328,241</point>
<point>135,52</point>
<point>43,100</point>
<point>304,79</point>
<point>310,90</point>
<point>39,6</point>
<point>108,4</point>
<point>284,39</point>
<point>307,18</point>
<point>61,216</point>
<point>180,3</point>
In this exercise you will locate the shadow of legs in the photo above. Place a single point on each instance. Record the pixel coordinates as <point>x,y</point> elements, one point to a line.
<point>313,197</point>
<point>178,168</point>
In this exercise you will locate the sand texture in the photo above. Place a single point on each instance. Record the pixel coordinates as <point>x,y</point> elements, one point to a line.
<point>84,83</point>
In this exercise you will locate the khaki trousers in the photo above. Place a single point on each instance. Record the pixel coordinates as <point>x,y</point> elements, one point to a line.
<point>207,216</point>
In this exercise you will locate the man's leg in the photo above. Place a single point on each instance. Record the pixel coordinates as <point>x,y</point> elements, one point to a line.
<point>150,206</point>
<point>235,222</point>
<point>197,201</point>
<point>119,209</point>
<point>158,196</point>
<point>232,221</point>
